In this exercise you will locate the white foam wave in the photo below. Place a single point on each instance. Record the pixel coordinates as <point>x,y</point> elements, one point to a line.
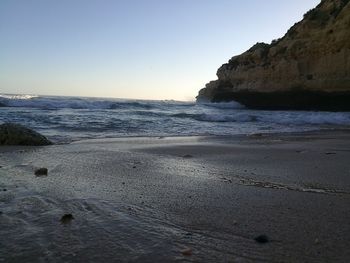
<point>30,101</point>
<point>17,97</point>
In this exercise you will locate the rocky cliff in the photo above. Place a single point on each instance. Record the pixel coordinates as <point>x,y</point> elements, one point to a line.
<point>308,68</point>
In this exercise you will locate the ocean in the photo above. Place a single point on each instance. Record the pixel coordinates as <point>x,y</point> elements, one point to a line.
<point>67,119</point>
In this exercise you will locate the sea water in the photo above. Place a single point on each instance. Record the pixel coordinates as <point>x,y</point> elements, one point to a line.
<point>65,119</point>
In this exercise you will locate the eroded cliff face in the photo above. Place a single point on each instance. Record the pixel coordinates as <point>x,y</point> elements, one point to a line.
<point>308,68</point>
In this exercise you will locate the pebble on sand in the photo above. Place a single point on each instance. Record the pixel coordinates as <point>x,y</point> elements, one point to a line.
<point>262,239</point>
<point>186,252</point>
<point>67,218</point>
<point>41,172</point>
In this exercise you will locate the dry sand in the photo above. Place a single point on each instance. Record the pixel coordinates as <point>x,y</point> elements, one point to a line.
<point>178,199</point>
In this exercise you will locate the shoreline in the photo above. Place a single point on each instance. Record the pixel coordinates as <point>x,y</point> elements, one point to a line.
<point>150,199</point>
<point>213,136</point>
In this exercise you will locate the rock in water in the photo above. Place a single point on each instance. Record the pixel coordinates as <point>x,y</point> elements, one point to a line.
<point>307,69</point>
<point>16,134</point>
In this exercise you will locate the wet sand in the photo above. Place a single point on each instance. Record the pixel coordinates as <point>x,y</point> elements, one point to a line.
<point>201,199</point>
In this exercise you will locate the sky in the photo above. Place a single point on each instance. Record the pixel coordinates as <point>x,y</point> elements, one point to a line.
<point>154,49</point>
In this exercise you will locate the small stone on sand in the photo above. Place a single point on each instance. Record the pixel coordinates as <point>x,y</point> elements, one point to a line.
<point>187,156</point>
<point>262,239</point>
<point>41,172</point>
<point>67,218</point>
<point>254,135</point>
<point>186,252</point>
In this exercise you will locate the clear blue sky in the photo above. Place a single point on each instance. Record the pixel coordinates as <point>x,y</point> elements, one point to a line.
<point>154,49</point>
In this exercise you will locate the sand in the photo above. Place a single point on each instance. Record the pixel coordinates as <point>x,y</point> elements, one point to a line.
<point>170,199</point>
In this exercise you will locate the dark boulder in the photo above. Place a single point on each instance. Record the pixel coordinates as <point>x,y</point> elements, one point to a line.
<point>16,134</point>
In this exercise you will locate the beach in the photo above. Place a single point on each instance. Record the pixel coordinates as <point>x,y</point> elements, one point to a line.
<point>257,198</point>
<point>157,131</point>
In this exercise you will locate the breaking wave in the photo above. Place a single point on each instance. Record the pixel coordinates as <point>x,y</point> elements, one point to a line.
<point>217,117</point>
<point>16,97</point>
<point>77,117</point>
<point>29,101</point>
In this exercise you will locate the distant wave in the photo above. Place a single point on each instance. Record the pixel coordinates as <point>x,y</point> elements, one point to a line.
<point>52,102</point>
<point>71,118</point>
<point>223,105</point>
<point>16,97</point>
<point>284,117</point>
<point>121,105</point>
<point>219,117</point>
<point>29,101</point>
